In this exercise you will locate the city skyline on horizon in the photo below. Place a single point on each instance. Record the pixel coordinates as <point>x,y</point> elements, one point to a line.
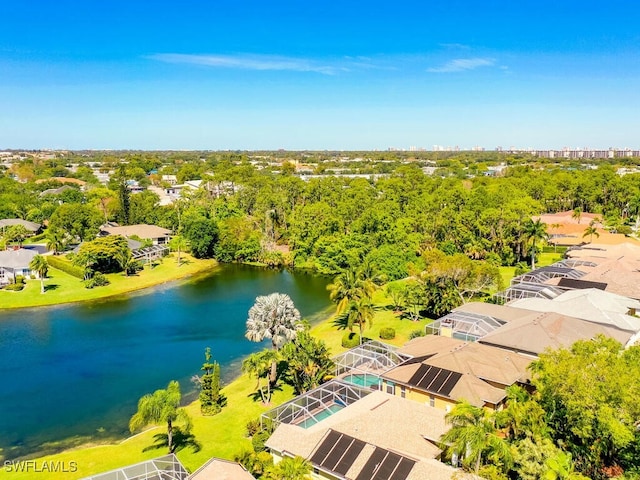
<point>292,76</point>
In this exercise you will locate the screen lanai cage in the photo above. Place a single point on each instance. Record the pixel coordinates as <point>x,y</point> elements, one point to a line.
<point>161,468</point>
<point>529,290</point>
<point>532,284</point>
<point>150,253</point>
<point>315,405</point>
<point>541,275</point>
<point>370,357</point>
<point>465,326</point>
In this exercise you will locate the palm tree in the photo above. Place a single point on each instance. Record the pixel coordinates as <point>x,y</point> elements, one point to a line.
<point>591,230</point>
<point>55,240</point>
<point>533,232</point>
<point>296,468</point>
<point>360,312</point>
<point>554,227</point>
<point>258,364</point>
<point>473,436</point>
<point>178,243</point>
<point>577,214</point>
<point>39,264</point>
<point>350,286</point>
<point>161,406</point>
<point>276,317</point>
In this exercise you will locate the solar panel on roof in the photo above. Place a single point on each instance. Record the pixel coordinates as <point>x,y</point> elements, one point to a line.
<point>403,469</point>
<point>439,379</point>
<point>325,447</point>
<point>386,465</point>
<point>372,464</point>
<point>580,284</point>
<point>434,379</point>
<point>427,377</point>
<point>450,383</point>
<point>337,452</point>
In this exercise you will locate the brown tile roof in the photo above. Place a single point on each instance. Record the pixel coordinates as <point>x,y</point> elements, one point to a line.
<point>219,469</point>
<point>566,218</point>
<point>477,365</point>
<point>386,421</point>
<point>142,230</point>
<point>616,265</point>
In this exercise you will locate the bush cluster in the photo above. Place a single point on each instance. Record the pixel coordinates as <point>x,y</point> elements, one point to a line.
<point>416,334</point>
<point>350,340</point>
<point>387,333</point>
<point>98,280</point>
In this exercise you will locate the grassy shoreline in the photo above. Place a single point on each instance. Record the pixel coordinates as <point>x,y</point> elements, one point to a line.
<point>62,288</point>
<point>222,435</point>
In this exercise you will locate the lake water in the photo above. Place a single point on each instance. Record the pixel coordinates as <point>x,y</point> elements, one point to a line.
<point>78,370</point>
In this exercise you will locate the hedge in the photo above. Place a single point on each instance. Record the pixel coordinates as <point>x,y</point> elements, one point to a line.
<point>65,266</point>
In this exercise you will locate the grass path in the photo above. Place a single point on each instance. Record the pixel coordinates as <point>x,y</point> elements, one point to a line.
<point>64,288</point>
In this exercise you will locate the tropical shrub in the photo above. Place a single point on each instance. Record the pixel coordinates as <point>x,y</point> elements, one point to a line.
<point>350,340</point>
<point>258,441</point>
<point>416,334</point>
<point>387,333</point>
<point>98,280</point>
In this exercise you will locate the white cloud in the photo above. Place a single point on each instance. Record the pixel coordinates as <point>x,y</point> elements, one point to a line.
<point>259,62</point>
<point>463,64</point>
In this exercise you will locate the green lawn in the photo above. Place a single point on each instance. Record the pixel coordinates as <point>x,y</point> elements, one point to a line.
<point>222,435</point>
<point>64,288</point>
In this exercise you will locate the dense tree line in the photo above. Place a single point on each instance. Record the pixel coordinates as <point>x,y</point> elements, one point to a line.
<point>331,224</point>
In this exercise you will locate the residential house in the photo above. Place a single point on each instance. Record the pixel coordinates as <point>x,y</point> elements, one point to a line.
<point>379,436</point>
<point>32,227</point>
<point>539,331</point>
<point>15,262</point>
<point>157,235</point>
<point>445,371</point>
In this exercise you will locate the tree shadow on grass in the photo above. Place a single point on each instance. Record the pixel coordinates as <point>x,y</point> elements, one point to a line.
<point>256,397</point>
<point>51,287</point>
<point>181,440</point>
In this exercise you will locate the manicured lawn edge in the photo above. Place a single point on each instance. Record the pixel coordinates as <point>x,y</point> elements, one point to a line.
<point>63,288</point>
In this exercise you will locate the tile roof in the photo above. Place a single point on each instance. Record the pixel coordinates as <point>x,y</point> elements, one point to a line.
<point>379,421</point>
<point>17,259</point>
<point>9,222</point>
<point>458,370</point>
<point>219,469</point>
<point>589,304</point>
<point>142,230</point>
<point>538,331</point>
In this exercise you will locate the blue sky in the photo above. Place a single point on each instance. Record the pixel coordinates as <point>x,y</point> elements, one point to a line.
<point>319,75</point>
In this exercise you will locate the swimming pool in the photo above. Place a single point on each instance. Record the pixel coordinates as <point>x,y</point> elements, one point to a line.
<point>321,415</point>
<point>363,380</point>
